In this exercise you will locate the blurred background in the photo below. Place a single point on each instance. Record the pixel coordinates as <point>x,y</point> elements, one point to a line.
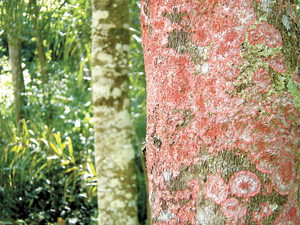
<point>47,170</point>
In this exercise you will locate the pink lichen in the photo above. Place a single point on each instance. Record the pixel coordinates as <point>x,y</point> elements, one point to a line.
<point>266,163</point>
<point>286,113</point>
<point>268,188</point>
<point>174,208</point>
<point>284,176</point>
<point>187,213</point>
<point>194,185</point>
<point>235,221</point>
<point>271,36</point>
<point>180,195</point>
<point>230,72</point>
<point>296,77</point>
<point>224,114</point>
<point>264,210</point>
<point>232,209</point>
<point>293,13</point>
<point>160,196</point>
<point>261,79</point>
<point>173,221</point>
<point>180,150</point>
<point>288,216</point>
<point>244,184</point>
<point>265,152</point>
<point>254,37</point>
<point>197,160</point>
<point>289,213</point>
<point>267,34</point>
<point>277,62</point>
<point>219,171</point>
<point>216,189</point>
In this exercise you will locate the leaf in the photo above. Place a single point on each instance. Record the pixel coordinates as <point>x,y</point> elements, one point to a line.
<point>70,169</point>
<point>52,157</point>
<point>39,170</point>
<point>45,142</point>
<point>70,148</point>
<point>8,131</point>
<point>66,186</point>
<point>58,139</point>
<point>91,168</point>
<point>56,150</point>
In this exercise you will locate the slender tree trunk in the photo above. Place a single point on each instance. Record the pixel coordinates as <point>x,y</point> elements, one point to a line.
<point>44,70</point>
<point>223,90</point>
<point>113,128</point>
<point>12,27</point>
<point>16,70</point>
<point>39,44</point>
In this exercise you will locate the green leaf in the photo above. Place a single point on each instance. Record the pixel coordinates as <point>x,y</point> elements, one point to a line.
<point>56,150</point>
<point>39,170</point>
<point>70,169</point>
<point>91,168</point>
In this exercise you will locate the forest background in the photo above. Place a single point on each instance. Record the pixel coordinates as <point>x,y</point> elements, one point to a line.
<point>47,170</point>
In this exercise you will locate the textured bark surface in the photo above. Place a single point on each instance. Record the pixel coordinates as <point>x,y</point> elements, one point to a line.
<point>16,70</point>
<point>222,111</point>
<point>113,128</point>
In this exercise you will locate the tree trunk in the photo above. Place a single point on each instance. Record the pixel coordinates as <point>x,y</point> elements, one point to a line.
<point>12,26</point>
<point>223,90</point>
<point>16,70</point>
<point>44,70</point>
<point>39,44</point>
<point>114,151</point>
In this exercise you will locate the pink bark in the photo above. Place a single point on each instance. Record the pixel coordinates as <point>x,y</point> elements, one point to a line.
<point>203,106</point>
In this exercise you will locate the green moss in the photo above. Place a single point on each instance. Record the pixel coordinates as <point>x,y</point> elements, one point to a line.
<point>255,56</point>
<point>294,90</point>
<point>187,117</point>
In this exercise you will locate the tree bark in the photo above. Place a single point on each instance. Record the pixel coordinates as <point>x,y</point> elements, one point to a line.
<point>12,27</point>
<point>223,90</point>
<point>114,153</point>
<point>16,70</point>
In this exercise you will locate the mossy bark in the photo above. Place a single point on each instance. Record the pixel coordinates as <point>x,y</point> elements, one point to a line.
<point>222,108</point>
<point>114,153</point>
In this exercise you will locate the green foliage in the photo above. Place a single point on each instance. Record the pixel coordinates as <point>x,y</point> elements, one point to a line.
<point>40,179</point>
<point>138,104</point>
<point>48,171</point>
<point>72,109</point>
